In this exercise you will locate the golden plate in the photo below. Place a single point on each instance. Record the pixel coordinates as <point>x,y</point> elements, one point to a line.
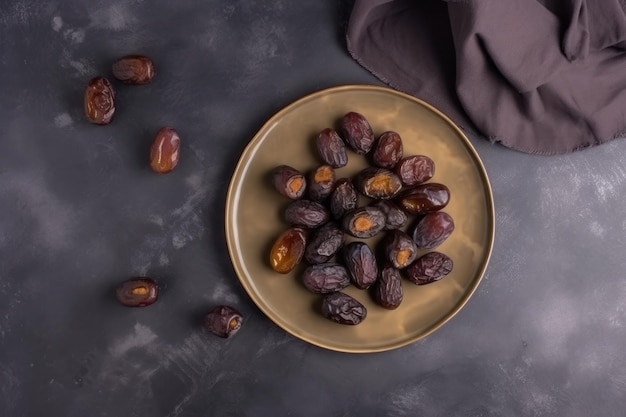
<point>254,210</point>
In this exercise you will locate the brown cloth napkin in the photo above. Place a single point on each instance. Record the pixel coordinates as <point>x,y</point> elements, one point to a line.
<point>539,76</point>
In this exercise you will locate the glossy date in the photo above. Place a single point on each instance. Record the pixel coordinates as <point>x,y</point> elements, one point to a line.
<point>432,230</point>
<point>387,150</point>
<point>429,268</point>
<point>288,181</point>
<point>378,183</point>
<point>99,101</point>
<point>424,198</point>
<point>331,148</point>
<point>288,250</point>
<point>364,222</point>
<point>137,292</point>
<point>357,132</point>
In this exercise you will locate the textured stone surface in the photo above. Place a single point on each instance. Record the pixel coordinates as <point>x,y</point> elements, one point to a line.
<point>81,211</point>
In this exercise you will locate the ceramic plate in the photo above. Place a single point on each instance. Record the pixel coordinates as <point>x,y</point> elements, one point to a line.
<point>254,217</point>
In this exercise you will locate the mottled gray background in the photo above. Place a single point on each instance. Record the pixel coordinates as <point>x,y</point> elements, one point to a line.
<point>544,334</point>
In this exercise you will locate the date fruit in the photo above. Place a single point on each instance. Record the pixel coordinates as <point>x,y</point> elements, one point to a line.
<point>343,198</point>
<point>378,183</point>
<point>432,230</point>
<point>288,181</point>
<point>364,222</point>
<point>360,262</point>
<point>223,321</point>
<point>429,268</point>
<point>415,169</point>
<point>387,150</point>
<point>395,217</point>
<point>165,151</point>
<point>388,292</point>
<point>306,213</point>
<point>134,69</point>
<point>357,132</point>
<point>325,278</point>
<point>424,198</point>
<point>321,182</point>
<point>288,250</point>
<point>324,243</point>
<point>137,292</point>
<point>331,148</point>
<point>343,309</point>
<point>99,101</point>
<point>399,248</point>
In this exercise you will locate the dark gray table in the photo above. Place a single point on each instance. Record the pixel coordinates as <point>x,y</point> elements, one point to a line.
<point>544,334</point>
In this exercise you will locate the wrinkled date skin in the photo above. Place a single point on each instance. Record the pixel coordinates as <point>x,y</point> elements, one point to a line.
<point>388,292</point>
<point>361,264</point>
<point>399,248</point>
<point>415,169</point>
<point>165,151</point>
<point>99,101</point>
<point>288,181</point>
<point>429,268</point>
<point>395,217</point>
<point>378,183</point>
<point>137,292</point>
<point>306,213</point>
<point>288,250</point>
<point>325,278</point>
<point>357,132</point>
<point>433,229</point>
<point>320,183</point>
<point>134,69</point>
<point>364,222</point>
<point>331,148</point>
<point>343,198</point>
<point>343,309</point>
<point>424,198</point>
<point>324,243</point>
<point>223,321</point>
<point>387,150</point>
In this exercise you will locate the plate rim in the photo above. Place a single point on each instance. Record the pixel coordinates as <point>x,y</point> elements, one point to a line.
<point>239,171</point>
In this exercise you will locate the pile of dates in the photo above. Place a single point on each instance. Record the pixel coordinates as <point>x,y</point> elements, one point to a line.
<point>330,231</point>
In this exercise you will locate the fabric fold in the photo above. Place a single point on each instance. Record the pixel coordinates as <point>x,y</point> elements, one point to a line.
<point>539,76</point>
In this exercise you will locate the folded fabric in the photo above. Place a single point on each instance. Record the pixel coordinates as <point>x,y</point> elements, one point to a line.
<point>539,76</point>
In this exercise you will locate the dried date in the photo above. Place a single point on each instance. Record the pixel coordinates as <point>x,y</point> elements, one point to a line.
<point>134,69</point>
<point>361,264</point>
<point>364,222</point>
<point>306,213</point>
<point>357,132</point>
<point>99,101</point>
<point>324,243</point>
<point>288,250</point>
<point>165,151</point>
<point>137,292</point>
<point>343,198</point>
<point>415,169</point>
<point>331,148</point>
<point>429,268</point>
<point>325,278</point>
<point>378,183</point>
<point>432,230</point>
<point>424,198</point>
<point>388,292</point>
<point>223,321</point>
<point>320,183</point>
<point>395,217</point>
<point>288,181</point>
<point>343,309</point>
<point>399,248</point>
<point>387,150</point>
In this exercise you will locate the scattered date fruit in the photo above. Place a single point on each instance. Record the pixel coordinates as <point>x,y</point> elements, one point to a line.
<point>387,150</point>
<point>324,243</point>
<point>424,198</point>
<point>165,150</point>
<point>137,292</point>
<point>361,264</point>
<point>321,182</point>
<point>99,101</point>
<point>306,213</point>
<point>357,132</point>
<point>223,321</point>
<point>331,148</point>
<point>288,181</point>
<point>134,69</point>
<point>433,229</point>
